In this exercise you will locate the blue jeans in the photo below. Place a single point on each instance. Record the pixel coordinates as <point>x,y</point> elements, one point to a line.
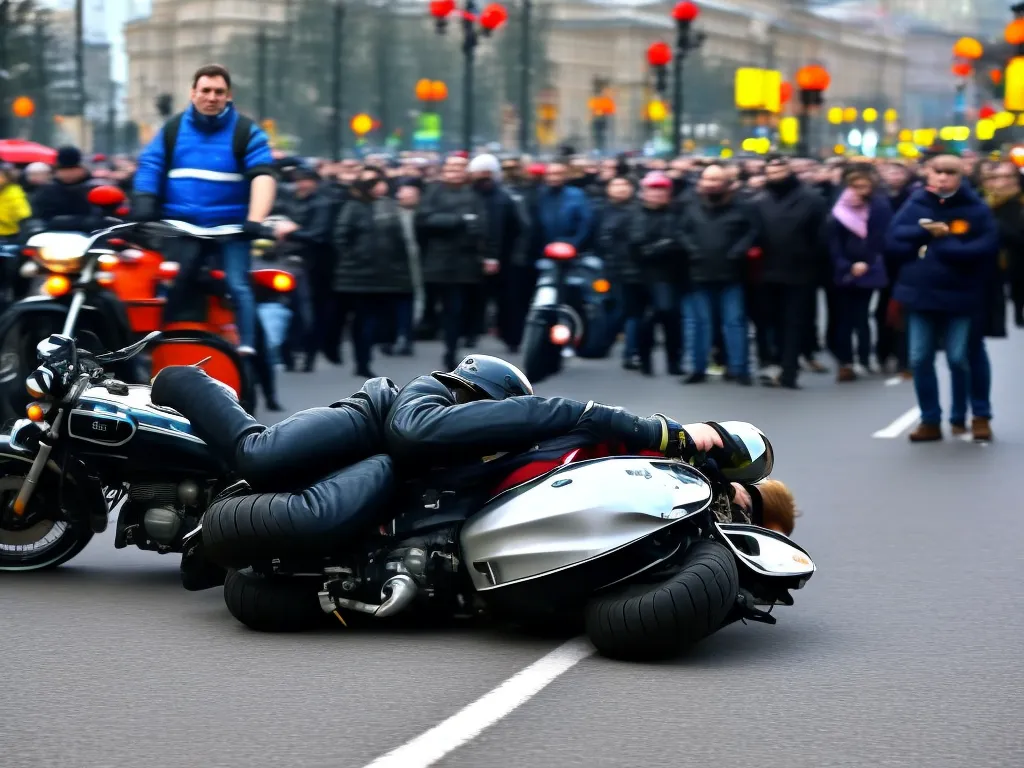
<point>236,262</point>
<point>924,330</point>
<point>975,383</point>
<point>699,310</point>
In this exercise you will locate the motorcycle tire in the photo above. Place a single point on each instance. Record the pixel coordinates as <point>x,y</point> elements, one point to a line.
<point>646,622</point>
<point>275,603</point>
<point>541,358</point>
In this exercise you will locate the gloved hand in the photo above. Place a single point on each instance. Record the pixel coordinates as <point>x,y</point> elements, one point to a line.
<point>679,442</point>
<point>254,230</point>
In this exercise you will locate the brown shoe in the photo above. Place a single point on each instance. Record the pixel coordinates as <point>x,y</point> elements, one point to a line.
<point>907,375</point>
<point>981,430</point>
<point>926,433</point>
<point>957,429</point>
<point>846,373</point>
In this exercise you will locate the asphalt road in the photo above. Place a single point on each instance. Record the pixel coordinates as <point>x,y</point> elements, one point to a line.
<point>904,650</point>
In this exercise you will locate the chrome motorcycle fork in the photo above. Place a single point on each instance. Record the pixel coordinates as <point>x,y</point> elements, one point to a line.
<point>28,487</point>
<point>77,301</point>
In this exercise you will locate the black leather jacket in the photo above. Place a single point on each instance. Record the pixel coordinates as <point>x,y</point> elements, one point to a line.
<point>421,427</point>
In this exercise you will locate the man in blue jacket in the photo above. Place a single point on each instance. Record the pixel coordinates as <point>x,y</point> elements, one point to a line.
<point>946,238</point>
<point>212,166</point>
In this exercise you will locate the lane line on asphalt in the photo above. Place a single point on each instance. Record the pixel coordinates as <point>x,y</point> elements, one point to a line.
<point>469,722</point>
<point>899,425</point>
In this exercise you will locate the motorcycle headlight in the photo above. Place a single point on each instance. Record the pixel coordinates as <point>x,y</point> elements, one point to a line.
<point>39,383</point>
<point>59,252</point>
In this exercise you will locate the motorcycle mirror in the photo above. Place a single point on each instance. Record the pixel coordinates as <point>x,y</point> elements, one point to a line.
<point>760,459</point>
<point>54,345</point>
<point>560,251</point>
<point>106,196</point>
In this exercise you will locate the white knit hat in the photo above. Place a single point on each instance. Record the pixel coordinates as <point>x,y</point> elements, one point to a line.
<point>486,164</point>
<point>37,168</point>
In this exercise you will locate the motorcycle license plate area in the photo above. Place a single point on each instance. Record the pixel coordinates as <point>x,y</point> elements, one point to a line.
<point>766,552</point>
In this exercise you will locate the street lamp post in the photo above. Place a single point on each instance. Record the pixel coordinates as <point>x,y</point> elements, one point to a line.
<point>524,77</point>
<point>492,17</point>
<point>337,30</point>
<point>5,10</point>
<point>684,13</point>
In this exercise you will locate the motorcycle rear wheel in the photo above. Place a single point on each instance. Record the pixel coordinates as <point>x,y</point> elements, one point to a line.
<point>275,603</point>
<point>642,622</point>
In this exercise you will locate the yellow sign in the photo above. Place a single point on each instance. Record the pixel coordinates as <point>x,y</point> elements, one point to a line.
<point>985,130</point>
<point>656,111</point>
<point>760,146</point>
<point>835,115</point>
<point>759,89</point>
<point>869,115</point>
<point>789,130</point>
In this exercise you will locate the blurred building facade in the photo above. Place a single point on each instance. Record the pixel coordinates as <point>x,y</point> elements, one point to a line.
<point>873,62</point>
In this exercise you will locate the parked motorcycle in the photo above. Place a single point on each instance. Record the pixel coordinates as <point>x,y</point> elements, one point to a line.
<point>568,315</point>
<point>109,296</point>
<point>630,545</point>
<point>88,443</point>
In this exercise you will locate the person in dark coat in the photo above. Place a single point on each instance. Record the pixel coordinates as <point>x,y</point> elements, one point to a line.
<point>856,235</point>
<point>372,261</point>
<point>309,206</point>
<point>891,346</point>
<point>948,239</point>
<point>454,222</point>
<point>656,251</point>
<point>63,204</point>
<point>717,233</point>
<point>612,247</point>
<point>508,233</point>
<point>794,261</point>
<point>1002,190</point>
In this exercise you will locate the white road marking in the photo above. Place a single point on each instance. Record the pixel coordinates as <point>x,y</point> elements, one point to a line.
<point>892,382</point>
<point>469,722</point>
<point>900,425</point>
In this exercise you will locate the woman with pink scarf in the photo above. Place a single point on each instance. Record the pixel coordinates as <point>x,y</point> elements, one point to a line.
<point>856,236</point>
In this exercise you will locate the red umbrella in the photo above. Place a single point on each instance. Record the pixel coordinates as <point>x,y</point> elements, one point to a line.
<point>25,152</point>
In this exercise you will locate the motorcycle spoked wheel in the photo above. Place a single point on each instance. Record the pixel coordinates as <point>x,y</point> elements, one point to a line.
<point>541,357</point>
<point>271,603</point>
<point>661,619</point>
<point>41,539</point>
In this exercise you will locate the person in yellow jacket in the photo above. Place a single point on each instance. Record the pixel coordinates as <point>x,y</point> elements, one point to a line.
<point>14,207</point>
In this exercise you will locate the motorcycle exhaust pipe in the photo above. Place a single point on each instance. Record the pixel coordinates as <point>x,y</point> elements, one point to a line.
<point>403,591</point>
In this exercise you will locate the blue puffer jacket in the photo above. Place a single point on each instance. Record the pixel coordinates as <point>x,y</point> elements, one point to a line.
<point>950,277</point>
<point>204,185</point>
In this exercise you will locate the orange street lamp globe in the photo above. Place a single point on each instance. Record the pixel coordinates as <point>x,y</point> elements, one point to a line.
<point>968,48</point>
<point>23,106</point>
<point>423,90</point>
<point>438,91</point>
<point>1014,32</point>
<point>995,75</point>
<point>813,77</point>
<point>659,54</point>
<point>785,92</point>
<point>961,69</point>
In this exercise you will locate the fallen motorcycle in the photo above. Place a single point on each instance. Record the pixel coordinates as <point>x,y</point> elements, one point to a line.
<point>88,443</point>
<point>632,546</point>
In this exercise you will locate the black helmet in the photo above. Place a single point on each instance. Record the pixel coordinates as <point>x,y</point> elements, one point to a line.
<point>488,376</point>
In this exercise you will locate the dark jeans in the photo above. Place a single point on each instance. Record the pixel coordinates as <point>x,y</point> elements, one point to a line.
<point>656,304</point>
<point>974,385</point>
<point>924,332</point>
<point>783,329</point>
<point>453,300</point>
<point>699,306</point>
<point>395,319</point>
<point>851,307</point>
<point>365,311</point>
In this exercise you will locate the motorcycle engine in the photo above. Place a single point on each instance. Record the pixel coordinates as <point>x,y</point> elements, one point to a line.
<point>164,515</point>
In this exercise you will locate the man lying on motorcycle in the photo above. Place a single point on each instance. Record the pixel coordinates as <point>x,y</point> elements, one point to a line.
<point>453,432</point>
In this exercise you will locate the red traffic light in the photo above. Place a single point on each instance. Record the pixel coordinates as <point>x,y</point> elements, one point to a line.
<point>493,16</point>
<point>439,9</point>
<point>685,11</point>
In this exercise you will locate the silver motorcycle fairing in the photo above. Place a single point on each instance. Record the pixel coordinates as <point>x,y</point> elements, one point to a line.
<point>575,513</point>
<point>766,552</point>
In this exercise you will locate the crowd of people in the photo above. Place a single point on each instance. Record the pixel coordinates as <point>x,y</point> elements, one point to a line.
<point>905,257</point>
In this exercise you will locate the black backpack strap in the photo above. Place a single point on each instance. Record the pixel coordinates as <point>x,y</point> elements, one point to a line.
<point>240,141</point>
<point>170,134</point>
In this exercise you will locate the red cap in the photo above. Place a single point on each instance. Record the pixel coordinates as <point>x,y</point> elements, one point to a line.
<point>537,169</point>
<point>656,180</point>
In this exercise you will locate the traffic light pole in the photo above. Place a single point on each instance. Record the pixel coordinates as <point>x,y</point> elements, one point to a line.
<point>525,112</point>
<point>4,27</point>
<point>469,44</point>
<point>337,25</point>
